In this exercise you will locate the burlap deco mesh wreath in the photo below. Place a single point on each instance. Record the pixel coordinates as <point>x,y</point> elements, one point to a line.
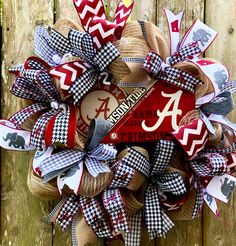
<point>125,126</point>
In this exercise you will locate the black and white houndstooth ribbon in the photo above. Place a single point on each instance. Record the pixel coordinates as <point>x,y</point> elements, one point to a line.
<point>34,83</point>
<point>95,216</point>
<point>155,67</point>
<point>114,205</point>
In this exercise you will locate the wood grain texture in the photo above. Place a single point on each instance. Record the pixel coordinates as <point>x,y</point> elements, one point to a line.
<point>66,9</point>
<point>21,213</point>
<point>223,20</point>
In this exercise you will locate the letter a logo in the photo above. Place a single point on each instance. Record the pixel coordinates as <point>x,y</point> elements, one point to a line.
<point>102,109</point>
<point>174,99</point>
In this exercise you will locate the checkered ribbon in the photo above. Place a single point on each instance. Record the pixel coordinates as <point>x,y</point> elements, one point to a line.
<point>155,67</point>
<point>64,160</point>
<point>82,45</point>
<point>67,212</point>
<point>33,82</point>
<point>115,207</point>
<point>134,237</point>
<point>125,168</point>
<point>95,216</point>
<point>186,53</point>
<point>208,165</point>
<point>158,223</point>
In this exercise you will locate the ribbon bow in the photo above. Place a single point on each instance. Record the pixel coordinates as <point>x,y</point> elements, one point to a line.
<point>206,167</point>
<point>95,63</point>
<point>158,223</point>
<point>158,69</point>
<point>85,73</point>
<point>33,82</point>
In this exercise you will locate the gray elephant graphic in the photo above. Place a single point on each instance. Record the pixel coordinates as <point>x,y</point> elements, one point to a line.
<point>208,198</point>
<point>227,187</point>
<point>201,35</point>
<point>15,140</point>
<point>220,78</point>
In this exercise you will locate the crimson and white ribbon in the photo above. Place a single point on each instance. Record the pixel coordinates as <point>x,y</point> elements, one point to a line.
<point>94,21</point>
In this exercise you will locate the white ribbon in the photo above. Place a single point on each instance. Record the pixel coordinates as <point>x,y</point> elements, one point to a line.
<point>13,138</point>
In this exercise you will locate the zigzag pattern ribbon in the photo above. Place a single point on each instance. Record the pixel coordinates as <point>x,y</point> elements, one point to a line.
<point>93,19</point>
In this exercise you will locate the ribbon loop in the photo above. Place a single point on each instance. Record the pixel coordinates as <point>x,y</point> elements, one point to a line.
<point>187,52</point>
<point>221,105</point>
<point>156,68</point>
<point>171,182</point>
<point>82,44</point>
<point>113,203</point>
<point>209,165</point>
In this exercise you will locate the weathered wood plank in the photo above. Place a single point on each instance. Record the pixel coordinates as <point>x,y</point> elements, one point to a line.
<point>21,212</point>
<point>223,20</point>
<point>182,233</point>
<point>66,9</point>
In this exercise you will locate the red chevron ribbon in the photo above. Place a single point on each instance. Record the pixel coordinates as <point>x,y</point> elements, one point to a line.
<point>192,137</point>
<point>67,73</point>
<point>94,21</point>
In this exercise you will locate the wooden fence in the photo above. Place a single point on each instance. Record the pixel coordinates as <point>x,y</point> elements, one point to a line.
<point>21,212</point>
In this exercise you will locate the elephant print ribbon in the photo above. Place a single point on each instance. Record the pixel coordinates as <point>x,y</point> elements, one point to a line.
<point>213,181</point>
<point>57,122</point>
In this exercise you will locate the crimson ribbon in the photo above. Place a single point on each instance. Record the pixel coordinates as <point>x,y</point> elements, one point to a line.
<point>58,123</point>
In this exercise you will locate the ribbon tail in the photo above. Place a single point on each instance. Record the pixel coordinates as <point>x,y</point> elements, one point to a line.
<point>158,223</point>
<point>174,24</point>
<point>87,10</point>
<point>95,216</point>
<point>95,167</point>
<point>59,162</point>
<point>115,207</point>
<point>98,129</point>
<point>134,237</point>
<point>122,13</point>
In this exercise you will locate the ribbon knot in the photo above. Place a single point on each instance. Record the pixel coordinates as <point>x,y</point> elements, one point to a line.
<point>158,69</point>
<point>95,62</point>
<point>33,82</point>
